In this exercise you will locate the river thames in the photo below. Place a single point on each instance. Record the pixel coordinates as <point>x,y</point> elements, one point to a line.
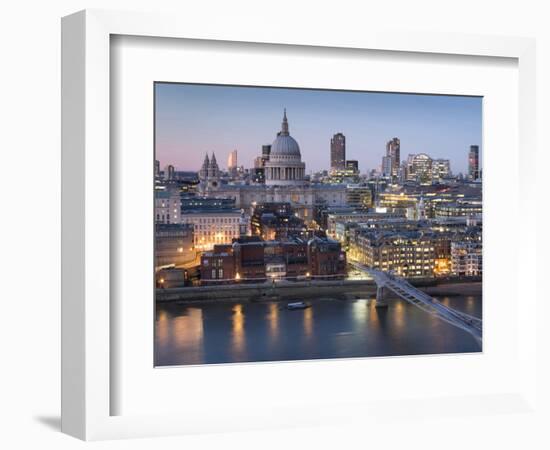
<point>337,327</point>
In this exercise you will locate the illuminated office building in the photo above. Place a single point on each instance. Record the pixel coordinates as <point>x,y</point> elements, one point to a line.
<point>408,253</point>
<point>211,227</point>
<point>337,152</point>
<point>466,258</point>
<point>232,163</point>
<point>421,166</point>
<point>393,151</point>
<point>473,162</point>
<point>441,169</point>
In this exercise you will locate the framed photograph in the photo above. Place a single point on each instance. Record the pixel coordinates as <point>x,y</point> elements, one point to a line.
<point>279,252</point>
<point>262,230</point>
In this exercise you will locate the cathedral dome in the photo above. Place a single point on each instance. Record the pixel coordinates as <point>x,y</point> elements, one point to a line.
<point>284,166</point>
<point>284,144</point>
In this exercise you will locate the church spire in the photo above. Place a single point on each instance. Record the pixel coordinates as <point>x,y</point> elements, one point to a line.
<point>203,173</point>
<point>284,128</point>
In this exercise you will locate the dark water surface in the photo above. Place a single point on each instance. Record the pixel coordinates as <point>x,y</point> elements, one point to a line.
<point>228,332</point>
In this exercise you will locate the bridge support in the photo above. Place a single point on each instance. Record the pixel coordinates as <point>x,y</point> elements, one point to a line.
<point>380,297</point>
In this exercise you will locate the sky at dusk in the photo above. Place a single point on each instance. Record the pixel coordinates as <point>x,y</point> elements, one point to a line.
<point>193,119</point>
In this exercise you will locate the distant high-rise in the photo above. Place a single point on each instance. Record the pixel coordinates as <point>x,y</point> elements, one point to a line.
<point>157,168</point>
<point>422,168</point>
<point>473,162</point>
<point>409,163</point>
<point>169,172</point>
<point>393,151</point>
<point>232,161</point>
<point>338,152</point>
<point>386,166</point>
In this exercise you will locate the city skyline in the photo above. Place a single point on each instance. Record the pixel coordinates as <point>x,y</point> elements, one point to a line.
<point>323,266</point>
<point>194,119</point>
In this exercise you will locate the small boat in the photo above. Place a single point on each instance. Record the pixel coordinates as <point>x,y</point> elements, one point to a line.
<point>297,305</point>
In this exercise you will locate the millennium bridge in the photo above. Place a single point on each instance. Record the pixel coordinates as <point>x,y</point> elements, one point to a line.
<point>414,296</point>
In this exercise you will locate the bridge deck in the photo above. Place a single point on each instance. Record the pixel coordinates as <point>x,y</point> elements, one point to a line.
<point>416,297</point>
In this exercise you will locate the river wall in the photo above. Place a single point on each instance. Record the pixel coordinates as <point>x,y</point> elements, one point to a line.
<point>304,290</point>
<point>267,291</point>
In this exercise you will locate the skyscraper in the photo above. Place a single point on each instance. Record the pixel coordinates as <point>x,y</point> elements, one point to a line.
<point>338,152</point>
<point>393,150</point>
<point>410,175</point>
<point>232,161</point>
<point>473,162</point>
<point>422,168</point>
<point>169,172</point>
<point>386,166</point>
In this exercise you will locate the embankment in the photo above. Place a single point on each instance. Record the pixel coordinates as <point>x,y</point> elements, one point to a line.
<point>267,291</point>
<point>310,290</point>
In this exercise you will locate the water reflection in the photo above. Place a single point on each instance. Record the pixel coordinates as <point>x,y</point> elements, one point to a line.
<point>238,341</point>
<point>308,323</point>
<point>399,315</point>
<point>374,319</point>
<point>273,320</point>
<point>470,305</point>
<point>183,333</point>
<point>360,312</point>
<point>330,328</point>
<point>162,329</point>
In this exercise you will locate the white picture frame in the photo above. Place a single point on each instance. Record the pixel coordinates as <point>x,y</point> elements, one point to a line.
<point>87,354</point>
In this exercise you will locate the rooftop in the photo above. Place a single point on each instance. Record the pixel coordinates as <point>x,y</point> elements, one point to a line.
<point>212,212</point>
<point>159,227</point>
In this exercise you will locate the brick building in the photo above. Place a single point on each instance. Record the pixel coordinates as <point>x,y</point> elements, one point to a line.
<point>253,259</point>
<point>326,257</point>
<point>249,257</point>
<point>218,265</point>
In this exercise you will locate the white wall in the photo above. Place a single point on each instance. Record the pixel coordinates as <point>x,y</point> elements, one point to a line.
<point>30,140</point>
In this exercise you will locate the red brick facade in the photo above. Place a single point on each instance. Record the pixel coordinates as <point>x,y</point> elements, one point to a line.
<point>248,258</point>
